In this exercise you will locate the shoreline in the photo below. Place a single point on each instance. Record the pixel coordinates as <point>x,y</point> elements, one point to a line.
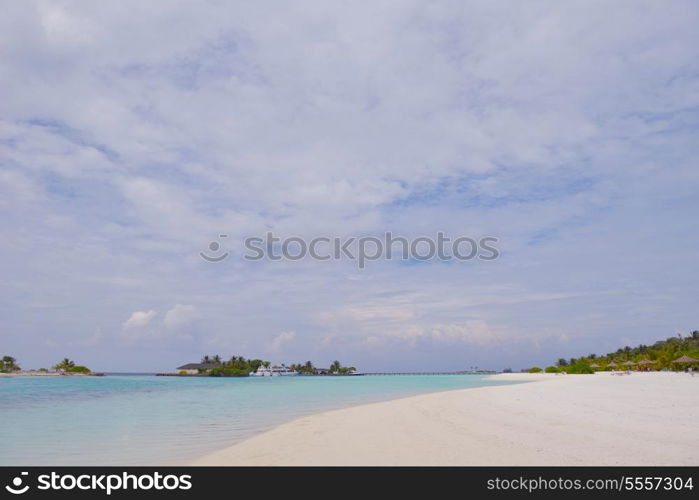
<point>638,419</point>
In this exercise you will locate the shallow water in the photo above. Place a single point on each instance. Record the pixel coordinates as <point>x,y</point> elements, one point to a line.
<point>148,420</point>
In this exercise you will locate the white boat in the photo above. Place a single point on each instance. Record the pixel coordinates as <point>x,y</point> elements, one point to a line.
<point>274,371</point>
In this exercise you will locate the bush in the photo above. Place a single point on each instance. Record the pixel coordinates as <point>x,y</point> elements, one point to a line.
<point>580,368</point>
<point>228,371</point>
<point>551,369</point>
<point>78,369</point>
<point>535,369</point>
<point>236,372</point>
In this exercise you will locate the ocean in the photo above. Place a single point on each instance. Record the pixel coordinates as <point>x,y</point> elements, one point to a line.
<point>149,420</point>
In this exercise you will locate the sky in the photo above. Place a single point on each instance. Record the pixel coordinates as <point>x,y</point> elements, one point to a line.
<point>133,134</point>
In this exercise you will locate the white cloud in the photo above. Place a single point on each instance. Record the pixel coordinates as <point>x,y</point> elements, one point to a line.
<point>473,332</point>
<point>179,316</point>
<point>139,319</point>
<point>280,341</point>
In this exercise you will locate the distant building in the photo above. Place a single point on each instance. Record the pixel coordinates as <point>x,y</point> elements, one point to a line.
<point>194,368</point>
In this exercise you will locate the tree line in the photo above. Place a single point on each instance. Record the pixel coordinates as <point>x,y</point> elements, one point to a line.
<point>661,354</point>
<point>335,368</point>
<point>235,366</point>
<point>238,366</point>
<point>8,364</point>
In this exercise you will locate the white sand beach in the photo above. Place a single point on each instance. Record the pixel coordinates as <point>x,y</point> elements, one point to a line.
<point>601,419</point>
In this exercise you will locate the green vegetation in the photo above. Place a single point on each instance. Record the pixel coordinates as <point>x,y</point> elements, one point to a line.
<point>306,367</point>
<point>79,369</point>
<point>662,354</point>
<point>236,366</point>
<point>68,366</point>
<point>579,367</point>
<point>337,368</point>
<point>9,364</point>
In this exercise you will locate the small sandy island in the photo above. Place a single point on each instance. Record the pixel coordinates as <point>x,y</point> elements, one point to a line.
<point>601,419</point>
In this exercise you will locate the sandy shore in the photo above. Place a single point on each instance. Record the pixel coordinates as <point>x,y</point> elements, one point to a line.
<point>602,419</point>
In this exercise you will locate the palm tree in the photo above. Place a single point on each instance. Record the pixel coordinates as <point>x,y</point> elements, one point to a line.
<point>335,367</point>
<point>206,360</point>
<point>9,364</point>
<point>64,365</point>
<point>217,359</point>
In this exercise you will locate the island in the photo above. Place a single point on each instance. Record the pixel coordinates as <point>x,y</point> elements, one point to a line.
<point>9,367</point>
<point>239,366</point>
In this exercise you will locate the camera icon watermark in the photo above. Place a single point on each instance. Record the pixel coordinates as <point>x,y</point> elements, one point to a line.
<point>16,488</point>
<point>214,247</point>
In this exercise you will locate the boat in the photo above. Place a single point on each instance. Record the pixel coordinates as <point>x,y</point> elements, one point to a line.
<point>274,371</point>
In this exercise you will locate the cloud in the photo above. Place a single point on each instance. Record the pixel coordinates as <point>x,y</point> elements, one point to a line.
<point>94,339</point>
<point>180,316</point>
<point>280,341</point>
<point>141,328</point>
<point>473,332</point>
<point>139,319</point>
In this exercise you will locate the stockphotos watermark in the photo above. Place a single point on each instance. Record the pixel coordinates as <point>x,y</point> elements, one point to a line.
<point>106,483</point>
<point>361,250</point>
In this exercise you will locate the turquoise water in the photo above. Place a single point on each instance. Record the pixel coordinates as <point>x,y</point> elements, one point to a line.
<point>147,420</point>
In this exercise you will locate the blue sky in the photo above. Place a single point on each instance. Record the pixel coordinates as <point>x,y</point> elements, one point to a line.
<point>132,134</point>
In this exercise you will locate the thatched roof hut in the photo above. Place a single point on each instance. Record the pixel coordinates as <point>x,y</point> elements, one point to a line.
<point>612,364</point>
<point>629,363</point>
<point>686,359</point>
<point>594,365</point>
<point>646,362</point>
